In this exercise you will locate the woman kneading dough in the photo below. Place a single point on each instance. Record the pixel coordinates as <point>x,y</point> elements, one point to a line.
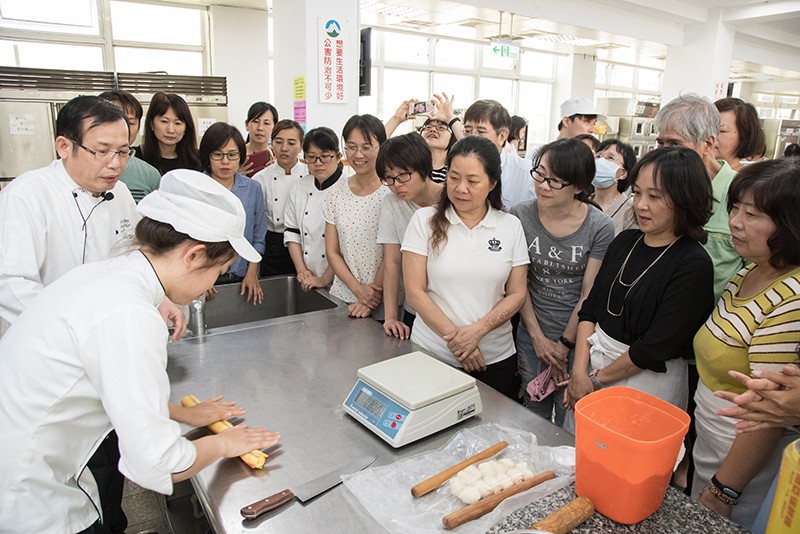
<point>90,355</point>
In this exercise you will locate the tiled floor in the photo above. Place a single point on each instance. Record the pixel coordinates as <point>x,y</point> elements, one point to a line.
<point>150,513</point>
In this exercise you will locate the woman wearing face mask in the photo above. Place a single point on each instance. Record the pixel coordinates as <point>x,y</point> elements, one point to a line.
<point>221,153</point>
<point>261,118</point>
<point>170,140</point>
<point>614,161</point>
<point>567,238</point>
<point>276,181</point>
<point>305,225</point>
<point>351,212</point>
<point>404,166</point>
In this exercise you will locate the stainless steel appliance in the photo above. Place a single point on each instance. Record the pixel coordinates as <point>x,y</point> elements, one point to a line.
<point>779,133</point>
<point>29,103</point>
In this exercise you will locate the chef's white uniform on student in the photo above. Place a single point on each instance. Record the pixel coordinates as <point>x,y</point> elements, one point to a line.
<point>87,355</point>
<point>42,232</point>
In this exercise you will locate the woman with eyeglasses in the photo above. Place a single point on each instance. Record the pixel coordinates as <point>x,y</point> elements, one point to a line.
<point>276,182</point>
<point>222,152</point>
<point>305,225</point>
<point>169,141</point>
<point>351,213</point>
<point>567,237</point>
<point>654,289</point>
<point>464,264</point>
<point>261,119</point>
<point>615,160</point>
<point>404,166</point>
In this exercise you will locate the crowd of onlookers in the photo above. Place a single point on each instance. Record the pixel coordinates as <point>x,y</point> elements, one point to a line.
<point>547,277</point>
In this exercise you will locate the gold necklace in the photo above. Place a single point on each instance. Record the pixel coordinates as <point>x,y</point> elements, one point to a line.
<point>618,277</point>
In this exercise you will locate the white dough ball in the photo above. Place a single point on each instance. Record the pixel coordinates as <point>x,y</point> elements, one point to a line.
<point>472,470</point>
<point>504,481</point>
<point>456,485</point>
<point>522,466</point>
<point>468,477</point>
<point>470,495</point>
<point>486,469</point>
<point>491,480</point>
<point>527,473</point>
<point>515,475</point>
<point>506,462</point>
<point>484,488</point>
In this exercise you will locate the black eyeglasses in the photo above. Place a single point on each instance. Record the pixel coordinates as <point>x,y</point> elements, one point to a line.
<point>437,127</point>
<point>106,155</point>
<point>401,178</point>
<point>554,183</point>
<point>325,158</point>
<point>232,155</point>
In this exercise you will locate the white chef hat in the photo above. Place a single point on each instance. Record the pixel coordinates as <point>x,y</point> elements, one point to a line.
<point>579,106</point>
<point>195,204</point>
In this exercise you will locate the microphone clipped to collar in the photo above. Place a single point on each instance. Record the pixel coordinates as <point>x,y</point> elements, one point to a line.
<point>105,197</point>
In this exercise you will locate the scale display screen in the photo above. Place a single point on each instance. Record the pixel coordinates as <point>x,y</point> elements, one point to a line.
<point>376,409</point>
<point>369,403</point>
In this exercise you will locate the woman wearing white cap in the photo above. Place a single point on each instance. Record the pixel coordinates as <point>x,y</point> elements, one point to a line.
<point>99,363</point>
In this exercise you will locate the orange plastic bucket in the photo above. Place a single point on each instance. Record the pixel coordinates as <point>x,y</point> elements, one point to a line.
<point>626,445</point>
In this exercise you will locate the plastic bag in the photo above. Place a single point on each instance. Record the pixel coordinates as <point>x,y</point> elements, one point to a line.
<point>385,491</point>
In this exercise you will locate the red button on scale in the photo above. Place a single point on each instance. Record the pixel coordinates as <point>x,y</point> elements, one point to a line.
<point>398,417</point>
<point>394,425</point>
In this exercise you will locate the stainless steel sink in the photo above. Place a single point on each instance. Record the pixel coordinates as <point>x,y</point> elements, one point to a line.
<point>283,296</point>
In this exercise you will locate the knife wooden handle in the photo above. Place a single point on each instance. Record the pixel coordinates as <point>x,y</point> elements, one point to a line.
<point>251,511</point>
<point>430,484</point>
<point>484,506</point>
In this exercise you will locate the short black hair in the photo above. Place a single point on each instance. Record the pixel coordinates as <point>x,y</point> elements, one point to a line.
<point>572,161</point>
<point>517,124</point>
<point>573,117</point>
<point>752,142</point>
<point>449,130</point>
<point>369,125</point>
<point>288,124</point>
<point>258,109</point>
<point>680,173</point>
<point>216,137</point>
<point>409,152</point>
<point>775,186</point>
<point>126,100</point>
<point>628,159</point>
<point>491,111</point>
<point>323,138</point>
<point>186,147</point>
<point>792,149</point>
<point>69,122</point>
<point>592,140</point>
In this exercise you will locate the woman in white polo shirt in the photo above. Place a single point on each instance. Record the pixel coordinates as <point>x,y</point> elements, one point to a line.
<point>465,266</point>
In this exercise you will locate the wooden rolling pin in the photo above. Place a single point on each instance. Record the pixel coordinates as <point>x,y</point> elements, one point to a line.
<point>567,517</point>
<point>254,458</point>
<point>430,484</point>
<point>486,505</point>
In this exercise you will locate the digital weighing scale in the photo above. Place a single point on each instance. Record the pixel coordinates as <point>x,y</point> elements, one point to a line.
<point>412,396</point>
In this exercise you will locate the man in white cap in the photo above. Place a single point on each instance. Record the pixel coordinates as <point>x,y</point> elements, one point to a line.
<point>578,116</point>
<point>90,352</point>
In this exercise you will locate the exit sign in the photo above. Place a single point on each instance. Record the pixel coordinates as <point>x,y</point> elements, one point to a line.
<point>504,48</point>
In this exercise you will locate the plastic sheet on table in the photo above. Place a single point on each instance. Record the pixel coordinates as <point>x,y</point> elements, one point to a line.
<point>385,491</point>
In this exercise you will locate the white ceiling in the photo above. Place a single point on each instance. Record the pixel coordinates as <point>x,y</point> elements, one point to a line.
<point>767,32</point>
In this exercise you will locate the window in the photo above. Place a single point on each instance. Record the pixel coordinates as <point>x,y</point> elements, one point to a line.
<point>402,48</point>
<point>620,76</point>
<point>50,56</point>
<point>459,86</point>
<point>454,54</point>
<point>534,106</point>
<point>497,89</point>
<point>400,85</point>
<point>535,64</point>
<point>493,61</point>
<point>65,16</point>
<point>649,80</point>
<point>153,60</point>
<point>156,24</point>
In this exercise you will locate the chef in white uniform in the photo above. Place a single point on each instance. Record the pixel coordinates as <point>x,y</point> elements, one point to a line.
<point>89,354</point>
<point>71,212</point>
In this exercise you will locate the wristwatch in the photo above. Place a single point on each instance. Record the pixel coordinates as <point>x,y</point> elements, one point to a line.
<point>596,381</point>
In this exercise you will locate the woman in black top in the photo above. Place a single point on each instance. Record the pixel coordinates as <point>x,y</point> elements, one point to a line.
<point>170,141</point>
<point>655,286</point>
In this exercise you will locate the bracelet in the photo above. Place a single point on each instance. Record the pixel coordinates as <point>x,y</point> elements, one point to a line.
<point>716,492</point>
<point>596,381</point>
<point>727,490</point>
<point>452,122</point>
<point>566,342</point>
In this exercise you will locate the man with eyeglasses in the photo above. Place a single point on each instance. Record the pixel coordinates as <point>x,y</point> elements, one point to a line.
<point>489,119</point>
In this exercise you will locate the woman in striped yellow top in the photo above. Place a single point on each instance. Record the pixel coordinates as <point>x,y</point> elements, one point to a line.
<point>755,326</point>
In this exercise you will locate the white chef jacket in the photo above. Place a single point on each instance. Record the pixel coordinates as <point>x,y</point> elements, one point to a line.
<point>304,214</point>
<point>87,355</point>
<point>276,185</point>
<point>42,232</point>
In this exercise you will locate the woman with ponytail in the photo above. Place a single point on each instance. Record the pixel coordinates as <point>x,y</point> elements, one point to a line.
<point>567,236</point>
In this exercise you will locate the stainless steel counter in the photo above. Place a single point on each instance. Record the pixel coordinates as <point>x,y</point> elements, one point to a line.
<point>292,375</point>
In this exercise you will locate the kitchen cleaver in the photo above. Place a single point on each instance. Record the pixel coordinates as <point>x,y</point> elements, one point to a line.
<point>307,491</point>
